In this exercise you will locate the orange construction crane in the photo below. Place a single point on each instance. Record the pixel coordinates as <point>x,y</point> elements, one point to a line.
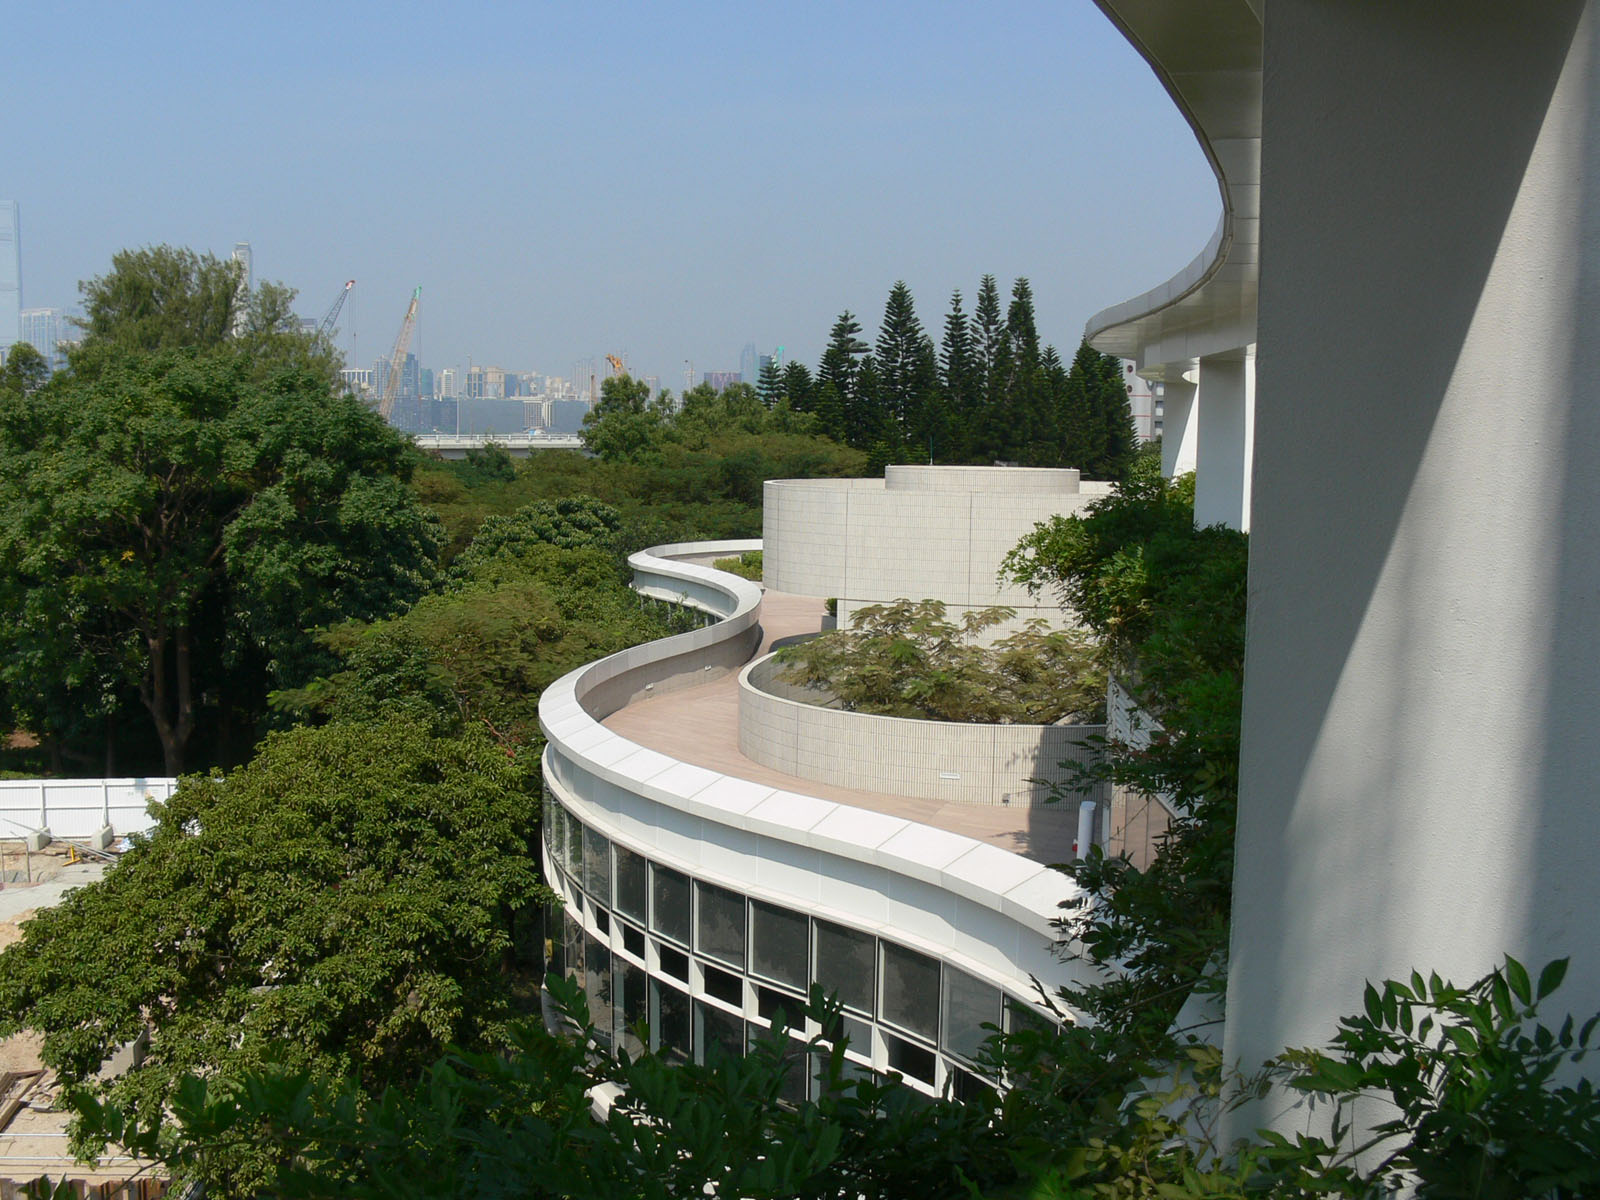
<point>616,365</point>
<point>397,360</point>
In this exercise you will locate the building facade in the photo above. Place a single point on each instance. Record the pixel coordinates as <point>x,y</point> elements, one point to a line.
<point>10,274</point>
<point>1407,248</point>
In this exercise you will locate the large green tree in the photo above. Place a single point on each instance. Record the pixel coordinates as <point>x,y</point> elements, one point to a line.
<point>176,521</point>
<point>346,903</point>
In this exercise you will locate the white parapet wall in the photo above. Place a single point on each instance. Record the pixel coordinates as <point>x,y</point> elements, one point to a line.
<point>661,864</point>
<point>919,533</point>
<point>79,808</point>
<point>936,760</point>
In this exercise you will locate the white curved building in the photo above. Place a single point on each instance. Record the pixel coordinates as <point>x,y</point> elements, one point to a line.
<point>1409,249</point>
<point>704,891</point>
<point>920,532</point>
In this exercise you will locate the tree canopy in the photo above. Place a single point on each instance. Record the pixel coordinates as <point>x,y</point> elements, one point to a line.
<point>178,520</point>
<point>344,903</point>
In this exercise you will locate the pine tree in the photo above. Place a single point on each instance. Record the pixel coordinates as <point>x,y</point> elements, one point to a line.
<point>908,375</point>
<point>1086,397</point>
<point>990,434</point>
<point>958,380</point>
<point>841,362</point>
<point>798,386</point>
<point>1026,426</point>
<point>1121,438</point>
<point>770,384</point>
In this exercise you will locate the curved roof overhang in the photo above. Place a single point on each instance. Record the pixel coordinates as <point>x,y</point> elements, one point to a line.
<point>1207,54</point>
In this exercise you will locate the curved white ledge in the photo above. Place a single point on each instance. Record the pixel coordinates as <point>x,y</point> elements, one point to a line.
<point>1208,57</point>
<point>963,899</point>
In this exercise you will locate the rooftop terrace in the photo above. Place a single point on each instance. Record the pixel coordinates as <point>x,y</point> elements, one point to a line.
<point>699,725</point>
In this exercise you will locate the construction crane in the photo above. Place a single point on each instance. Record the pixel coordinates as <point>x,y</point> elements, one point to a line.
<point>333,310</point>
<point>616,366</point>
<point>391,385</point>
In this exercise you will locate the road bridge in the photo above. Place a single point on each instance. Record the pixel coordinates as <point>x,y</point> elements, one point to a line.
<point>518,445</point>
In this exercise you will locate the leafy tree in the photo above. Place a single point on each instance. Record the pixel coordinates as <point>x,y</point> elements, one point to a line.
<point>908,659</point>
<point>24,372</point>
<point>162,298</point>
<point>174,517</point>
<point>343,906</point>
<point>1167,602</point>
<point>623,426</point>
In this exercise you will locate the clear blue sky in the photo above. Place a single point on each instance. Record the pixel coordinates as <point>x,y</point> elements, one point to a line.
<point>566,180</point>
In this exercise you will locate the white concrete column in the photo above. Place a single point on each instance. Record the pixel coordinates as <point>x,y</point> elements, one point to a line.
<point>1222,468</point>
<point>1178,426</point>
<point>1420,776</point>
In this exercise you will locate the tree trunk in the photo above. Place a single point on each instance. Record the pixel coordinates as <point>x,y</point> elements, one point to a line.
<point>170,700</point>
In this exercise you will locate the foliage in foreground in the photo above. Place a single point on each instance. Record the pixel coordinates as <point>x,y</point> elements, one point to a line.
<point>1472,1073</point>
<point>342,906</point>
<point>907,659</point>
<point>1167,602</point>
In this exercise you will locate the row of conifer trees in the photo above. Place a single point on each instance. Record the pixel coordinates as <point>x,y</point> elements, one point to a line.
<point>988,392</point>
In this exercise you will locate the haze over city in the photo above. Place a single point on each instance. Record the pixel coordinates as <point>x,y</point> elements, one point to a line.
<point>564,182</point>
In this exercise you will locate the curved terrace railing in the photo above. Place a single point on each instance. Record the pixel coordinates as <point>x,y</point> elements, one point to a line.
<point>985,913</point>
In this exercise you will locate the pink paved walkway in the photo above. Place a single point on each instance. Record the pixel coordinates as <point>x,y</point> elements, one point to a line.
<point>700,726</point>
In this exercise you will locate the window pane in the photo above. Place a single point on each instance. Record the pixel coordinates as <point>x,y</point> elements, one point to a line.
<point>597,866</point>
<point>632,884</point>
<point>910,991</point>
<point>1020,1017</point>
<point>669,1022</point>
<point>631,1003</point>
<point>724,985</point>
<point>673,962</point>
<point>717,1031</point>
<point>770,1002</point>
<point>572,855</point>
<point>669,908</point>
<point>597,986</point>
<point>572,932</point>
<point>969,1004</point>
<point>633,941</point>
<point>778,944</point>
<point>721,924</point>
<point>909,1059</point>
<point>846,964</point>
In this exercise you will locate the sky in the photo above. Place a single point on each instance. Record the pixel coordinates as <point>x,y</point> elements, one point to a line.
<point>665,182</point>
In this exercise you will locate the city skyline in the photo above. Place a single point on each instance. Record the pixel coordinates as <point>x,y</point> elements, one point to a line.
<point>565,184</point>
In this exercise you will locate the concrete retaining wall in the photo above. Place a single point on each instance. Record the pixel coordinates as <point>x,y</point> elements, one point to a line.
<point>935,760</point>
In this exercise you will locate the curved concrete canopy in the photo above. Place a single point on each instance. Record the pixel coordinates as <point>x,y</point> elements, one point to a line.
<point>1207,54</point>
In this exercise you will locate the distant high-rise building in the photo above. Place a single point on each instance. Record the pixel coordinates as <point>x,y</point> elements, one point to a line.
<point>749,363</point>
<point>10,274</point>
<point>447,383</point>
<point>653,382</point>
<point>723,379</point>
<point>247,282</point>
<point>43,329</point>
